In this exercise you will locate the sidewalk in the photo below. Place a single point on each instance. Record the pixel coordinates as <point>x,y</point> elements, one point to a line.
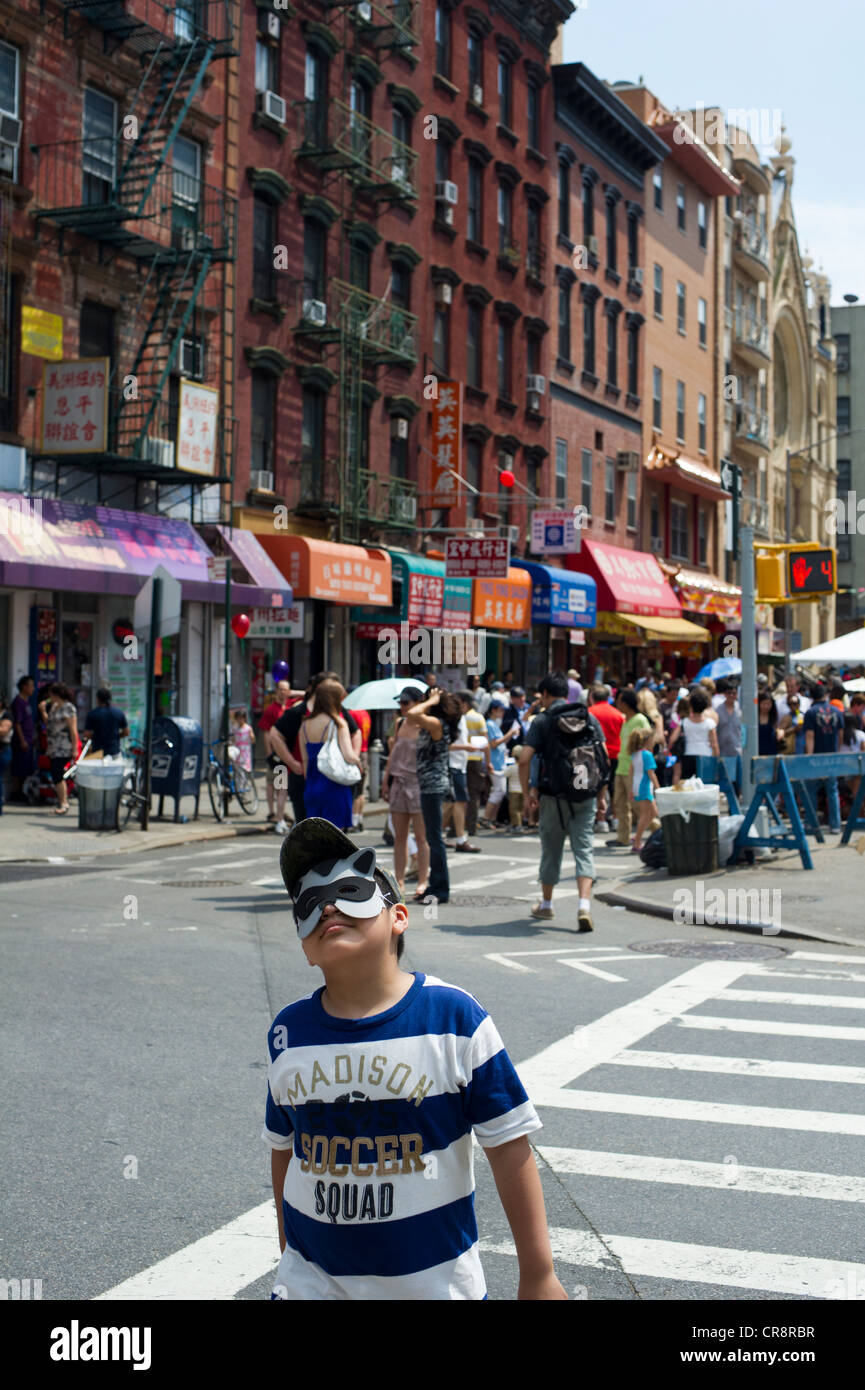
<point>33,834</point>
<point>772,897</point>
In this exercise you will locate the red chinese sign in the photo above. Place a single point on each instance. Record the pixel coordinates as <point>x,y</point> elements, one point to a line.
<point>75,406</point>
<point>196,432</point>
<point>447,424</point>
<point>478,559</point>
<point>425,598</point>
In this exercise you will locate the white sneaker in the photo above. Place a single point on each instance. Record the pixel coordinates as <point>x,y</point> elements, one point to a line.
<point>601,827</point>
<point>282,827</point>
<point>543,910</point>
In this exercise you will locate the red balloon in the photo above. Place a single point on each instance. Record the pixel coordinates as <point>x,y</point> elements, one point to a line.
<point>240,624</point>
<point>506,478</point>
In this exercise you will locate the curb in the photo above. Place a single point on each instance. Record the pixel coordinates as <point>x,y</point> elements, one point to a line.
<point>129,846</point>
<point>649,908</point>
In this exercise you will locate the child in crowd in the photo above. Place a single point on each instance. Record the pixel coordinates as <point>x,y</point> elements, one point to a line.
<point>243,739</point>
<point>376,1083</point>
<point>644,782</point>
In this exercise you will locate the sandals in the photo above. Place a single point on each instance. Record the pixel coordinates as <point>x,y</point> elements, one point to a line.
<point>61,810</point>
<point>420,895</point>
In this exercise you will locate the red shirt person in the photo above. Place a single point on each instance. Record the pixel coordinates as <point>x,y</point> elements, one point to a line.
<point>277,707</point>
<point>611,721</point>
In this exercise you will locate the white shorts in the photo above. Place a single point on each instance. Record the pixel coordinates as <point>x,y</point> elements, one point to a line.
<point>500,784</point>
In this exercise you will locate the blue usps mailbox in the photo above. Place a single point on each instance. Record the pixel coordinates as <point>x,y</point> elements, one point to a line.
<point>176,771</point>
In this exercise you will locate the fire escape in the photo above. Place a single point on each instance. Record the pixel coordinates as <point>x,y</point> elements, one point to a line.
<point>367,169</point>
<point>135,194</point>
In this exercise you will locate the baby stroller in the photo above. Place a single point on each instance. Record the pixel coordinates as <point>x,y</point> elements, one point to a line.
<point>38,788</point>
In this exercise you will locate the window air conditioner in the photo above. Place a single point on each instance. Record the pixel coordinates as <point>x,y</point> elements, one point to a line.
<point>443,293</point>
<point>447,192</point>
<point>261,480</point>
<point>592,245</point>
<point>628,460</point>
<point>656,545</point>
<point>273,25</point>
<point>446,215</point>
<point>315,311</point>
<point>478,95</point>
<point>405,508</point>
<point>364,12</point>
<point>637,274</point>
<point>10,131</point>
<point>398,427</point>
<point>190,358</point>
<point>514,535</point>
<point>8,154</point>
<point>158,451</point>
<point>536,384</point>
<point>273,106</point>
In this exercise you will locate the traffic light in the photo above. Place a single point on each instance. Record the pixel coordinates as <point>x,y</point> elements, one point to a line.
<point>811,572</point>
<point>769,573</point>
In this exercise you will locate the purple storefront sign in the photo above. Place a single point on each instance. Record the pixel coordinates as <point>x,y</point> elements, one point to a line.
<point>45,544</point>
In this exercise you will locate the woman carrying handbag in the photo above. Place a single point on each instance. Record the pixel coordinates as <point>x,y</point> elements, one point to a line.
<point>326,752</point>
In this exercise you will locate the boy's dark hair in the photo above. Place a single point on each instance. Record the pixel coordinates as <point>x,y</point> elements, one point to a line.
<point>386,889</point>
<point>629,697</point>
<point>555,683</point>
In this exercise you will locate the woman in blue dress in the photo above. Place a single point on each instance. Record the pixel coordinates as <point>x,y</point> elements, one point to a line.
<point>322,797</point>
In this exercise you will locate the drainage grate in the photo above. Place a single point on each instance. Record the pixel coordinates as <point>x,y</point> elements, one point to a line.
<point>202,883</point>
<point>710,950</point>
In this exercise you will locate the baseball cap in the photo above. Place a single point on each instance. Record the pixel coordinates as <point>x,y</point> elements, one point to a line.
<point>517,690</point>
<point>496,703</point>
<point>410,692</point>
<point>497,685</point>
<point>320,865</point>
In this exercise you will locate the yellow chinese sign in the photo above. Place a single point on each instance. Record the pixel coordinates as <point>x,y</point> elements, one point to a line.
<point>41,333</point>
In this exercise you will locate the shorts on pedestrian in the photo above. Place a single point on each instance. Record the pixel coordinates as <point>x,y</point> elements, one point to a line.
<point>57,766</point>
<point>500,786</point>
<point>404,796</point>
<point>576,819</point>
<point>459,784</point>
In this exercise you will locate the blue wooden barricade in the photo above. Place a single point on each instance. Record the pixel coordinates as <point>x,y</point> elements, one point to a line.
<point>788,777</point>
<point>726,772</point>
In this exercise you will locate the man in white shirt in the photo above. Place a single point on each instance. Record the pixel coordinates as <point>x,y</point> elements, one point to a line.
<point>458,756</point>
<point>792,684</point>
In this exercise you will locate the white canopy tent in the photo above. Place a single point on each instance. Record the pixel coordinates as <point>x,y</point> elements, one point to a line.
<point>849,650</point>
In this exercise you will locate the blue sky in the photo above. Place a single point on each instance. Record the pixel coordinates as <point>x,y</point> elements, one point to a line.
<point>801,59</point>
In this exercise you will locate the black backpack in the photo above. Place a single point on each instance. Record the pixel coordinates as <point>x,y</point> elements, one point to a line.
<point>574,758</point>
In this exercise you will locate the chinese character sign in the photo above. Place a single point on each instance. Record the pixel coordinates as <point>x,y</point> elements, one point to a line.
<point>447,424</point>
<point>196,427</point>
<point>478,559</point>
<point>425,598</point>
<point>555,533</point>
<point>75,406</point>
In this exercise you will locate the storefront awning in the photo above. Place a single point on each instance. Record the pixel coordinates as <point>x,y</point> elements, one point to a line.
<point>47,544</point>
<point>245,550</point>
<point>326,570</point>
<point>503,604</point>
<point>706,593</point>
<point>691,475</point>
<point>629,581</point>
<point>420,584</point>
<point>562,598</point>
<point>652,629</point>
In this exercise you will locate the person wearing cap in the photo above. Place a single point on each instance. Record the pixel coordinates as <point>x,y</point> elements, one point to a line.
<point>498,744</point>
<point>376,1083</point>
<point>400,788</point>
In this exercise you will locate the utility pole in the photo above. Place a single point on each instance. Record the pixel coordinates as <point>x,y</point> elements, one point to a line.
<point>226,693</point>
<point>749,660</point>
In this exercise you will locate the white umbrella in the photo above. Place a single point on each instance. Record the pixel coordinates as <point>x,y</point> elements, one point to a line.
<point>849,650</point>
<point>856,685</point>
<point>380,694</point>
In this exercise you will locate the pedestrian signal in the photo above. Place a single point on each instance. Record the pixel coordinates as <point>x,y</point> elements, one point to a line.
<point>811,572</point>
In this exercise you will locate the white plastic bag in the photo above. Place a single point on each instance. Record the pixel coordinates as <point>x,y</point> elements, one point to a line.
<point>728,829</point>
<point>700,800</point>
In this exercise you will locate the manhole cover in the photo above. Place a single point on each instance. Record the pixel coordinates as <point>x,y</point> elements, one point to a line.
<point>477,900</point>
<point>710,950</point>
<point>202,883</point>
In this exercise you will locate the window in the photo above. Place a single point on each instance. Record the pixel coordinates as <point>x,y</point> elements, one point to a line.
<point>561,470</point>
<point>186,187</point>
<point>315,96</point>
<point>533,99</point>
<point>504,501</point>
<point>505,216</point>
<point>657,387</point>
<point>679,530</point>
<point>842,340</point>
<point>633,244</point>
<point>658,188</point>
<point>534,241</point>
<point>588,210</point>
<point>98,150</point>
<point>263,421</point>
<point>658,283</point>
<point>610,491</point>
<point>533,354</point>
<point>564,321</point>
<point>701,322</point>
<point>680,306</point>
<point>634,359</point>
<point>702,536</point>
<point>702,225</point>
<point>586,480</point>
<point>701,423</point>
<point>398,458</point>
<point>443,160</point>
<point>441,344</point>
<point>611,235</point>
<point>655,517</point>
<point>443,41</point>
<point>401,129</point>
<point>612,350</point>
<point>843,413</point>
<point>264,238</point>
<point>314,243</point>
<point>589,336</point>
<point>843,538</point>
<point>505,78</point>
<point>632,502</point>
<point>473,346</point>
<point>360,106</point>
<point>400,285</point>
<point>728,287</point>
<point>266,57</point>
<point>476,64</point>
<point>680,206</point>
<point>96,330</point>
<point>503,360</point>
<point>564,200</point>
<point>359,265</point>
<point>472,475</point>
<point>312,425</point>
<point>474,222</point>
<point>9,107</point>
<point>680,411</point>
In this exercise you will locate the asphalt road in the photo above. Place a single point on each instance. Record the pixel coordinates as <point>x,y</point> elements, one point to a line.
<point>703,1131</point>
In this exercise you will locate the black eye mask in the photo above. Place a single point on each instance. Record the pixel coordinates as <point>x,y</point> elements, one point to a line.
<point>349,884</point>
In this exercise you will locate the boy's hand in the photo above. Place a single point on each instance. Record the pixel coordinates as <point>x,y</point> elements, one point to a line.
<point>541,1288</point>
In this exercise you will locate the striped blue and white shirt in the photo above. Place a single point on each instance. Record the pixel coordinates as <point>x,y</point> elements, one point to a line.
<point>378,1114</point>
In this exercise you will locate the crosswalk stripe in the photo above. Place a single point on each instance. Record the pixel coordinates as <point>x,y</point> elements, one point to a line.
<point>592,970</point>
<point>799,1275</point>
<point>216,1267</point>
<point>816,1001</point>
<point>495,880</point>
<point>739,1066</point>
<point>783,1182</point>
<point>712,1112</point>
<point>199,854</point>
<point>762,1025</point>
<point>825,955</point>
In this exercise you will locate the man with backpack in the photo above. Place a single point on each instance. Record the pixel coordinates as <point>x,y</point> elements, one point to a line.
<point>573,766</point>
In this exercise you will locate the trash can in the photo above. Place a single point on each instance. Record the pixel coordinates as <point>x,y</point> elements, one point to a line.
<point>689,820</point>
<point>98,785</point>
<point>176,760</point>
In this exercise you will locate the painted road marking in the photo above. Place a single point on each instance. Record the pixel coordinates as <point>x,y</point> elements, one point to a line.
<point>507,957</point>
<point>739,1066</point>
<point>798,1275</point>
<point>780,1182</point>
<point>593,970</point>
<point>710,1112</point>
<point>825,955</point>
<point>816,1001</point>
<point>757,1025</point>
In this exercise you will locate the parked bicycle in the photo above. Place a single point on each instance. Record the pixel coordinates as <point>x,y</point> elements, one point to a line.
<point>240,783</point>
<point>132,798</point>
